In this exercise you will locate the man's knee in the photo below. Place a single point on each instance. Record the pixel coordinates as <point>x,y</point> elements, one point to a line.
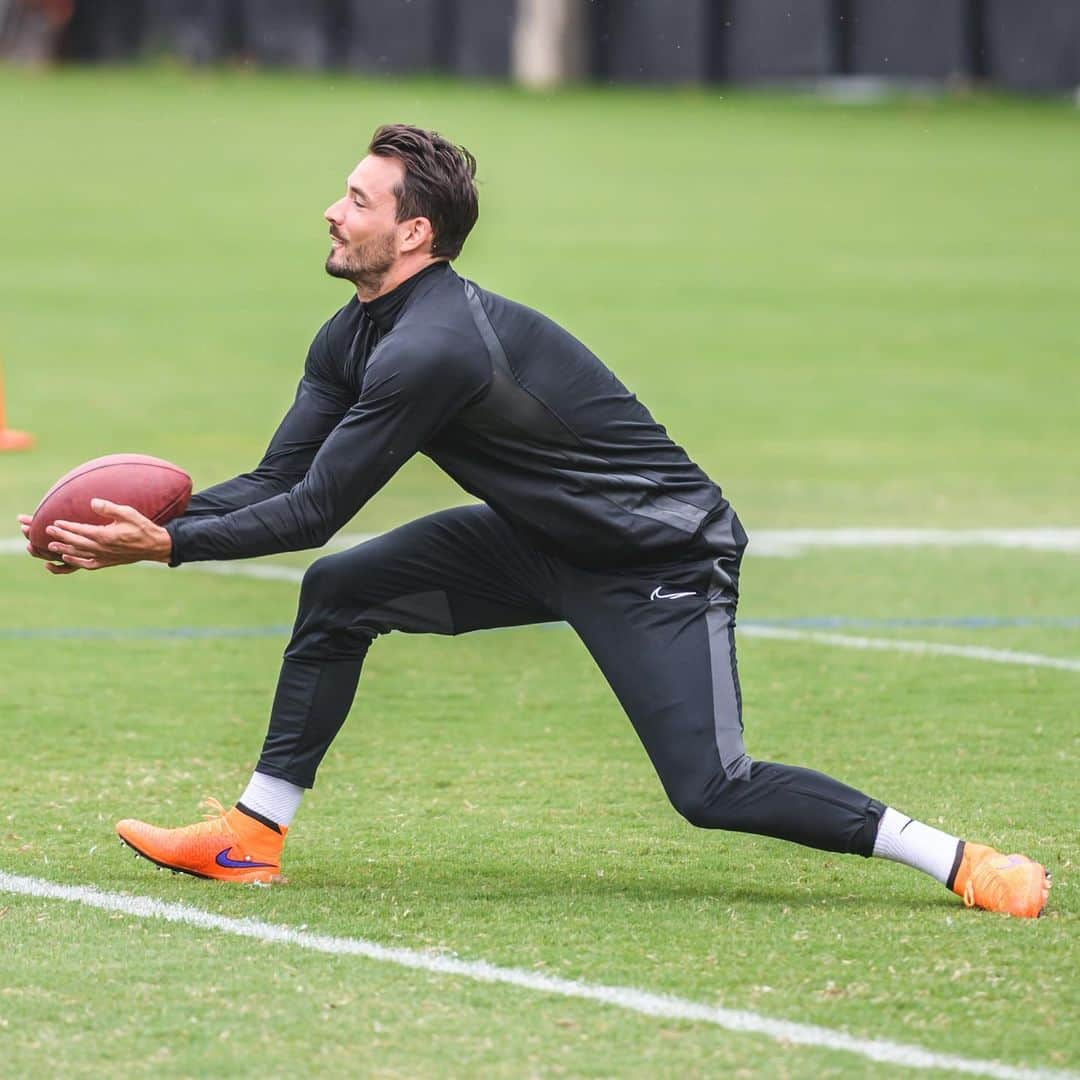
<point>327,626</point>
<point>694,806</point>
<point>712,803</point>
<point>324,579</point>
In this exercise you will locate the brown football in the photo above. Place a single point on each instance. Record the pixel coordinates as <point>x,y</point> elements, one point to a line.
<point>156,488</point>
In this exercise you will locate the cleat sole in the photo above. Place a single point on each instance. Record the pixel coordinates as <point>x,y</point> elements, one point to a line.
<point>276,879</point>
<point>160,865</point>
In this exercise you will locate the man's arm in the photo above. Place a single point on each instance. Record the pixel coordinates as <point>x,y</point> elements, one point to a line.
<point>409,394</point>
<point>314,413</point>
<point>321,401</point>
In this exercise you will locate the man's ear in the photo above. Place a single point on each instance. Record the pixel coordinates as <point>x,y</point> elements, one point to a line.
<point>415,234</point>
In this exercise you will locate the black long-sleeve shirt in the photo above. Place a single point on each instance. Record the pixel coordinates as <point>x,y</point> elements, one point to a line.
<point>505,401</point>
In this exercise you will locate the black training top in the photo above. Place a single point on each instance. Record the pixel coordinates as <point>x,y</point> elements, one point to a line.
<point>506,402</point>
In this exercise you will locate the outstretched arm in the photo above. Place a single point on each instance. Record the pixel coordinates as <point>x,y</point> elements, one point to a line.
<point>313,415</point>
<point>408,397</point>
<point>320,403</point>
<point>409,394</point>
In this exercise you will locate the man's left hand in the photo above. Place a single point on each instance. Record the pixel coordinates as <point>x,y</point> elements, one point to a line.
<point>129,537</point>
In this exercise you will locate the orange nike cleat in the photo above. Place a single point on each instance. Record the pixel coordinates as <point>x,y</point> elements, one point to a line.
<point>230,845</point>
<point>1013,884</point>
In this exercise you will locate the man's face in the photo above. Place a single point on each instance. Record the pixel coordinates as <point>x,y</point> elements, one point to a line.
<point>363,225</point>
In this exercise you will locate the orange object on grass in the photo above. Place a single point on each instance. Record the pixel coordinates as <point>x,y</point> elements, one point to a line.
<point>11,440</point>
<point>230,845</point>
<point>1013,884</point>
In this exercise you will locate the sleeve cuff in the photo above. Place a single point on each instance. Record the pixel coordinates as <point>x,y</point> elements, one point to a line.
<point>175,558</point>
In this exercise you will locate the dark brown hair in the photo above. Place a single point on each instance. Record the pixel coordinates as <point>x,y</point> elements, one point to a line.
<point>439,184</point>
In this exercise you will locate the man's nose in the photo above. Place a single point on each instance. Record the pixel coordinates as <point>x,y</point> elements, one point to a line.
<point>332,212</point>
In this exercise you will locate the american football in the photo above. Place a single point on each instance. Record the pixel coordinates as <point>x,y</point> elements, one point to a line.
<point>156,488</point>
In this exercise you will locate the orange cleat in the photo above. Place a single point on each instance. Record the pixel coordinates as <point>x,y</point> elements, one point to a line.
<point>1012,884</point>
<point>230,845</point>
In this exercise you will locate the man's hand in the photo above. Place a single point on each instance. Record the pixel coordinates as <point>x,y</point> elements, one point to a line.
<point>50,565</point>
<point>128,538</point>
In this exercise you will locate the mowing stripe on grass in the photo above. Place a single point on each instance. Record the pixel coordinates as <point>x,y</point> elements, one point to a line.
<point>294,575</point>
<point>622,997</point>
<point>927,648</point>
<point>765,629</point>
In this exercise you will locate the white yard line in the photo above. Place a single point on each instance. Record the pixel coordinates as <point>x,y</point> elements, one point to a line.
<point>623,997</point>
<point>248,568</point>
<point>786,542</point>
<point>921,648</point>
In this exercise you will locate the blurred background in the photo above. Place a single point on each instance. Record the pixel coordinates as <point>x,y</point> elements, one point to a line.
<point>834,246</point>
<point>1031,46</point>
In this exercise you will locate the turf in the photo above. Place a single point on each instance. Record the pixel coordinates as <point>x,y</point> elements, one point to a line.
<point>850,316</point>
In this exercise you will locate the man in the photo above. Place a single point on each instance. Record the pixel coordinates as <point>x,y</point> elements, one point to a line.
<point>590,514</point>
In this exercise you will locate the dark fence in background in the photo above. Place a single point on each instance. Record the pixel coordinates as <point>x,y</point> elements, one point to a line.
<point>1029,45</point>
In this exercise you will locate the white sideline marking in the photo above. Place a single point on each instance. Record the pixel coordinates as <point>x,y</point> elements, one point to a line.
<point>622,997</point>
<point>784,543</point>
<point>787,542</point>
<point>928,648</point>
<point>263,571</point>
<point>249,568</point>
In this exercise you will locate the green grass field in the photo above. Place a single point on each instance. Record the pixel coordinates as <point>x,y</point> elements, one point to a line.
<point>851,316</point>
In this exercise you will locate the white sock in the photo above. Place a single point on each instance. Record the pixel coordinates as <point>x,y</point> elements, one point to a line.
<point>907,841</point>
<point>275,799</point>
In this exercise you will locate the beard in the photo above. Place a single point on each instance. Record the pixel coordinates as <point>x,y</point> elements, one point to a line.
<point>366,264</point>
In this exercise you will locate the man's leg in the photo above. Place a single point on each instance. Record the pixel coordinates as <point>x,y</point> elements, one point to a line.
<point>449,573</point>
<point>666,644</point>
<point>667,647</point>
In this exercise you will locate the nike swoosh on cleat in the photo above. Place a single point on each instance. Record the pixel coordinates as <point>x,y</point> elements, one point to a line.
<point>223,859</point>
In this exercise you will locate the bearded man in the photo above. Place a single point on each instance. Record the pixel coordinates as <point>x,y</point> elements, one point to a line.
<point>588,513</point>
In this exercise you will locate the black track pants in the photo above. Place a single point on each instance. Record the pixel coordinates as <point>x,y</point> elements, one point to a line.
<point>662,635</point>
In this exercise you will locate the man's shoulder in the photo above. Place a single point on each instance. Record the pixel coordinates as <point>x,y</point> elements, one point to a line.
<point>433,350</point>
<point>341,327</point>
<point>327,357</point>
<point>438,325</point>
<point>438,342</point>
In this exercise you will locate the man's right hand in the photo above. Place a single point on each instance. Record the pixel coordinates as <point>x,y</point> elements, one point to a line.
<point>50,565</point>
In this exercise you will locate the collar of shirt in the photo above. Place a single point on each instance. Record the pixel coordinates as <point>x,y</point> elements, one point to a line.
<point>384,310</point>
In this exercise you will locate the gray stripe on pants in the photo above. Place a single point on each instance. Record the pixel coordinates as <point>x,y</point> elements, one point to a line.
<point>727,718</point>
<point>720,620</point>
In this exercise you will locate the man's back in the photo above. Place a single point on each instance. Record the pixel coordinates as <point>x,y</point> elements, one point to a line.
<point>558,446</point>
